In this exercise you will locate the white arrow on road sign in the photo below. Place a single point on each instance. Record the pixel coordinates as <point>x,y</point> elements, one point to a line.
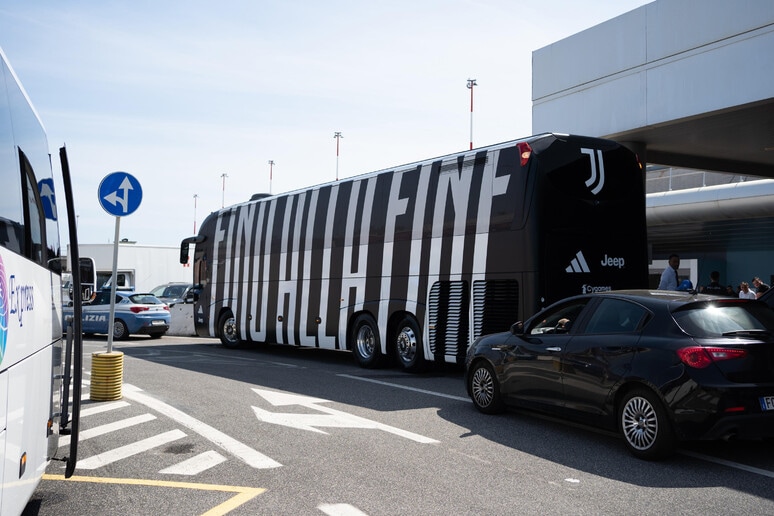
<point>114,199</point>
<point>331,418</point>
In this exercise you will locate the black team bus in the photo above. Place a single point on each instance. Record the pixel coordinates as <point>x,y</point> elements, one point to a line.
<point>416,262</point>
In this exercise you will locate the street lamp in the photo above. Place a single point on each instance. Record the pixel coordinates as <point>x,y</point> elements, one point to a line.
<point>471,83</point>
<point>223,195</point>
<point>195,196</point>
<point>338,136</point>
<point>271,169</point>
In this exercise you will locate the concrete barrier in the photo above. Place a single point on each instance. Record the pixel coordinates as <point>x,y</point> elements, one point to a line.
<point>182,321</point>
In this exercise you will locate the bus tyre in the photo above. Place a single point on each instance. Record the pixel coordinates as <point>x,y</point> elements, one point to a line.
<point>365,342</point>
<point>408,346</point>
<point>120,331</point>
<point>645,425</point>
<point>227,331</point>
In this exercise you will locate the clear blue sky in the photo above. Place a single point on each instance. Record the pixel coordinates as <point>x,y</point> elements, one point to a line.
<point>178,93</point>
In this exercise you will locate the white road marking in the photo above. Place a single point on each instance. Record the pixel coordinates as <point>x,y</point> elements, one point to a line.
<point>195,465</point>
<point>730,464</point>
<point>331,418</point>
<point>110,427</point>
<point>239,450</point>
<point>124,452</point>
<point>98,409</point>
<point>340,509</point>
<point>404,387</point>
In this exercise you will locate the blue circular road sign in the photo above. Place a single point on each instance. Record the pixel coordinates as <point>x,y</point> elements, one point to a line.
<point>120,194</point>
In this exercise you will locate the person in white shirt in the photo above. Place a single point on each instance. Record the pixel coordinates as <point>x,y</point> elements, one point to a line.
<point>669,278</point>
<point>745,292</point>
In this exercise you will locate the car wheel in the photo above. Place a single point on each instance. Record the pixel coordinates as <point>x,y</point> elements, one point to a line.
<point>408,346</point>
<point>645,426</point>
<point>120,331</point>
<point>484,389</point>
<point>365,342</point>
<point>227,331</point>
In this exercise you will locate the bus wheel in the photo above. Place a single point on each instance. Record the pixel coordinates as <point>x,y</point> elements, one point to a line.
<point>120,331</point>
<point>227,331</point>
<point>408,346</point>
<point>365,342</point>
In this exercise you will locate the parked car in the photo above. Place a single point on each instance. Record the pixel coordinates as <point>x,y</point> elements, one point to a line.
<point>657,366</point>
<point>134,313</point>
<point>174,293</point>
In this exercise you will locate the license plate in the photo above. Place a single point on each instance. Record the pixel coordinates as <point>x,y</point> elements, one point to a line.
<point>767,402</point>
<point>159,323</point>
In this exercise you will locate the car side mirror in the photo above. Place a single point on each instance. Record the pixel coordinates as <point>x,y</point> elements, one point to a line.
<point>517,328</point>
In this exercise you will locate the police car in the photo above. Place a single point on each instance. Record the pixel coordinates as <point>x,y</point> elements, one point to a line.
<point>134,313</point>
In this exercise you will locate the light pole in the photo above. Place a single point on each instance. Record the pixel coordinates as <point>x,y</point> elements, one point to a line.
<point>271,169</point>
<point>338,137</point>
<point>223,195</point>
<point>471,83</point>
<point>195,196</point>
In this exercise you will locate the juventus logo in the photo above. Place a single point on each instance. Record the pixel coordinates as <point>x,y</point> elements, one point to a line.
<point>597,170</point>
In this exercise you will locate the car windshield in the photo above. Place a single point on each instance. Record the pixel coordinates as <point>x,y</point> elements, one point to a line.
<point>725,319</point>
<point>144,299</point>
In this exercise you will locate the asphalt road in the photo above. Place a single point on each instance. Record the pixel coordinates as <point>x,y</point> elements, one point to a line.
<point>201,429</point>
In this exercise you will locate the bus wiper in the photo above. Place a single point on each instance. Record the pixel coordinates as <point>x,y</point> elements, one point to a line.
<point>746,333</point>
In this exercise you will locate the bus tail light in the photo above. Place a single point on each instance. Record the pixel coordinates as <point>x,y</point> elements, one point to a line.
<point>525,151</point>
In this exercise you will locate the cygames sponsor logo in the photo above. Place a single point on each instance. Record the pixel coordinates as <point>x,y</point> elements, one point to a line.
<point>590,289</point>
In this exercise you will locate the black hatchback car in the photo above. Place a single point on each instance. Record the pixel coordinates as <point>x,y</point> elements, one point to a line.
<point>657,366</point>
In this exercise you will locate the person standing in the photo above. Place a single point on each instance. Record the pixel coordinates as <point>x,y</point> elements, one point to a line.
<point>760,287</point>
<point>745,292</point>
<point>669,278</point>
<point>714,287</point>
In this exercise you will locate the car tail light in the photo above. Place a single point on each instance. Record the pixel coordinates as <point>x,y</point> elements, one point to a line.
<point>525,151</point>
<point>138,309</point>
<point>700,357</point>
<point>166,307</point>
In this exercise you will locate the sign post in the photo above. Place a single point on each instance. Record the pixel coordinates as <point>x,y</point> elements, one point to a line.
<point>119,194</point>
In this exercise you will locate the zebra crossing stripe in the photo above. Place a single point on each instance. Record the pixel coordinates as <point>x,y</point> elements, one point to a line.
<point>195,465</point>
<point>238,449</point>
<point>129,450</point>
<point>106,429</point>
<point>98,409</point>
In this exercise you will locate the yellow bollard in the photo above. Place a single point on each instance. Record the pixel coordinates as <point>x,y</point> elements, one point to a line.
<point>107,375</point>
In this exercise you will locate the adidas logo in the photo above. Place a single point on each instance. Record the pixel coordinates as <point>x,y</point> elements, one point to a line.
<point>578,264</point>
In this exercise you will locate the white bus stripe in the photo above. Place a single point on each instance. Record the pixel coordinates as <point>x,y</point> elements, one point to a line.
<point>124,452</point>
<point>106,429</point>
<point>195,465</point>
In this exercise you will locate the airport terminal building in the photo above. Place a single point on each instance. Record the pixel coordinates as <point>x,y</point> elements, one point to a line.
<point>689,86</point>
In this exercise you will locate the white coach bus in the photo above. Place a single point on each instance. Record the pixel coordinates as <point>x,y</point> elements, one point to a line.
<point>35,360</point>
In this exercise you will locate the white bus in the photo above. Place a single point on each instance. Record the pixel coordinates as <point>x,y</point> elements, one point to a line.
<point>417,261</point>
<point>35,361</point>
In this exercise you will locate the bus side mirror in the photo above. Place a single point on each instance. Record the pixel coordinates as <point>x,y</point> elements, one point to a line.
<point>184,247</point>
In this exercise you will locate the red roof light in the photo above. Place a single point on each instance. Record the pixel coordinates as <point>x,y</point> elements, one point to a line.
<point>525,151</point>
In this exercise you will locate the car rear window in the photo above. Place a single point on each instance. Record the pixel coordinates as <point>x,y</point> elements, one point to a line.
<point>725,319</point>
<point>144,299</point>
